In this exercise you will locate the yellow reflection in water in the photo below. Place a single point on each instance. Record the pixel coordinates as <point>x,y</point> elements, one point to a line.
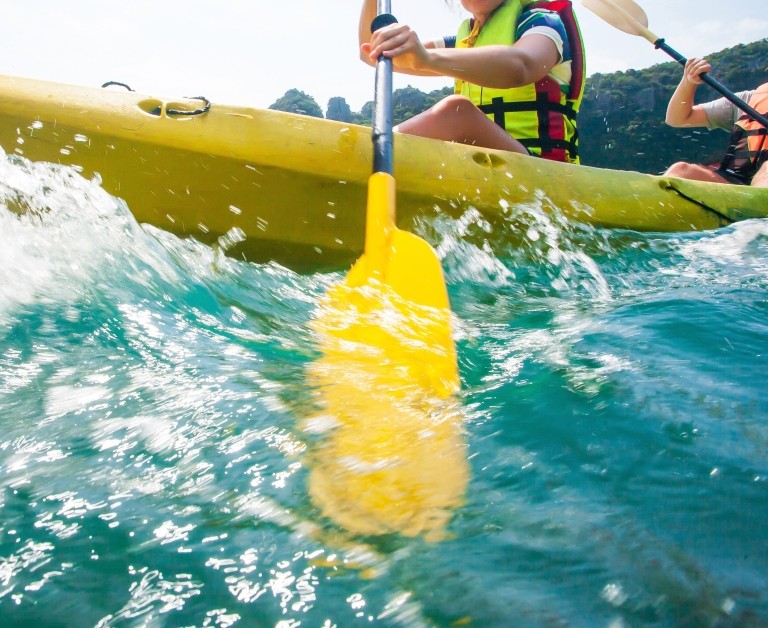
<point>391,457</point>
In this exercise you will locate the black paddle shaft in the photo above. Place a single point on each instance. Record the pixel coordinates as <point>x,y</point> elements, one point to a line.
<point>714,84</point>
<point>383,158</point>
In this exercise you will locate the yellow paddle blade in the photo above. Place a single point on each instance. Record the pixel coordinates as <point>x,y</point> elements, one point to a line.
<point>390,456</point>
<point>398,259</point>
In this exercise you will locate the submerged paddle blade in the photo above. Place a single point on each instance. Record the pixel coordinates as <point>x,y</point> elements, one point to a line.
<point>390,455</point>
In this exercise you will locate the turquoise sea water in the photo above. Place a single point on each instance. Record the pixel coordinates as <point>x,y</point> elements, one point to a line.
<point>152,456</point>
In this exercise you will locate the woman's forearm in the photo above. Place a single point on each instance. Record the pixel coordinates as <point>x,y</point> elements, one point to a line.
<point>681,111</point>
<point>527,61</point>
<point>680,107</point>
<point>497,67</point>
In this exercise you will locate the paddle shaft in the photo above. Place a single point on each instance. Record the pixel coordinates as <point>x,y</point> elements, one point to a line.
<point>383,158</point>
<point>715,84</point>
<point>628,16</point>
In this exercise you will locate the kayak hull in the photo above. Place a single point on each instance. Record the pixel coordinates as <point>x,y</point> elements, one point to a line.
<point>268,185</point>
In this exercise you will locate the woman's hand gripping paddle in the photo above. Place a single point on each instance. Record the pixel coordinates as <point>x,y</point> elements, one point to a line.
<point>390,456</point>
<point>628,16</point>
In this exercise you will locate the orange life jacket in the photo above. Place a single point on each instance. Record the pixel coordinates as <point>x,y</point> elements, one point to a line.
<point>748,146</point>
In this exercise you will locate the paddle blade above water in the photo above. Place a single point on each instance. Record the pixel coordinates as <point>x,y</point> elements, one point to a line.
<point>405,263</point>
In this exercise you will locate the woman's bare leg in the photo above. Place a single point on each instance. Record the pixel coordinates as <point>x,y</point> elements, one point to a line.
<point>760,179</point>
<point>456,119</point>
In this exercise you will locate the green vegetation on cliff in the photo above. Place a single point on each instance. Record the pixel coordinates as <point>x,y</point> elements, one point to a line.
<point>621,122</point>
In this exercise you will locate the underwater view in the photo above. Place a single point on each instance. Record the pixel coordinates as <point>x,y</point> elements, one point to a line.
<point>605,460</point>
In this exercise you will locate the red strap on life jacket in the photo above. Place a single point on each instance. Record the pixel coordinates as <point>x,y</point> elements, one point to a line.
<point>564,8</point>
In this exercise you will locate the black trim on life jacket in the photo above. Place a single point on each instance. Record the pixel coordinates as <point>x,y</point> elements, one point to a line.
<point>739,159</point>
<point>549,145</point>
<point>498,107</point>
<point>544,103</point>
<point>744,152</point>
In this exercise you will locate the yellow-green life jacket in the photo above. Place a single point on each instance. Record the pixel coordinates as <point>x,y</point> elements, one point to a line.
<point>540,116</point>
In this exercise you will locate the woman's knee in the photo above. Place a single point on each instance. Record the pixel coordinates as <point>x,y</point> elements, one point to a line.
<point>454,105</point>
<point>695,172</point>
<point>760,179</point>
<point>681,169</point>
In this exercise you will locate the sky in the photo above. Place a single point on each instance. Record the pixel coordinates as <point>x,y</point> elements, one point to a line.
<point>250,53</point>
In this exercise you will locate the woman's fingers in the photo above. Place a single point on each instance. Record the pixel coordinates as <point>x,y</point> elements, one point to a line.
<point>694,68</point>
<point>392,41</point>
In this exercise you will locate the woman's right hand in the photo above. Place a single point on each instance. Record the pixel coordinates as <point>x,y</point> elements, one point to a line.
<point>694,68</point>
<point>400,43</point>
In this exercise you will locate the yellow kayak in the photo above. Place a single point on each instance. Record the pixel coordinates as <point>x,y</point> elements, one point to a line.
<point>292,188</point>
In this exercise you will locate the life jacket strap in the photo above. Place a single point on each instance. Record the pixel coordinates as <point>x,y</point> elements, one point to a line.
<point>498,108</point>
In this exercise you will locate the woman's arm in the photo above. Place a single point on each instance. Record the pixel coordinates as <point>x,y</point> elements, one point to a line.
<point>681,111</point>
<point>367,14</point>
<point>528,60</point>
